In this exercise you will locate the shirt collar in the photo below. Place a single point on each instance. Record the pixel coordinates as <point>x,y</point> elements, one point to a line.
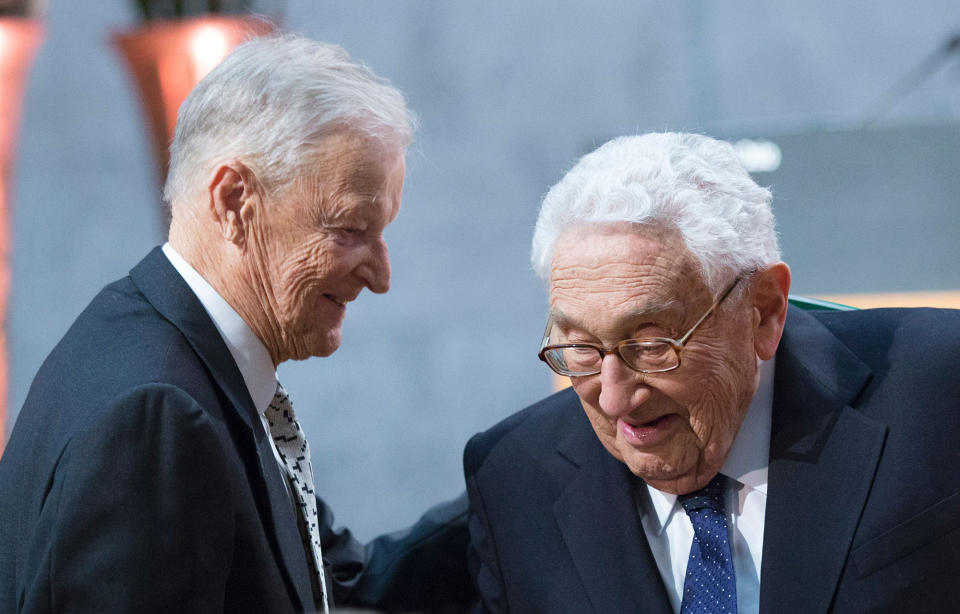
<point>748,459</point>
<point>252,358</point>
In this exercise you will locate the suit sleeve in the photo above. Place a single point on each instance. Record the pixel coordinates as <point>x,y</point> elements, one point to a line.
<point>343,555</point>
<point>139,516</point>
<point>482,553</point>
<point>422,568</point>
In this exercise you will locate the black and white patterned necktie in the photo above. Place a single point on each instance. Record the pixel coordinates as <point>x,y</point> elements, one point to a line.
<point>295,454</point>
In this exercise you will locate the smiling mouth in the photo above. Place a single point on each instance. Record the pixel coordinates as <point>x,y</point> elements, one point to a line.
<point>336,300</point>
<point>652,432</point>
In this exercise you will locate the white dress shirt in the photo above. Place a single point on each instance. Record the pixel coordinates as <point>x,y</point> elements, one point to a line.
<point>668,528</point>
<point>252,357</point>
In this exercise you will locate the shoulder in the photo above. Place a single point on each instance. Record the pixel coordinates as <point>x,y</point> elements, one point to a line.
<point>120,360</point>
<point>923,320</point>
<point>119,342</point>
<point>118,318</point>
<point>531,431</point>
<point>909,359</point>
<point>882,336</point>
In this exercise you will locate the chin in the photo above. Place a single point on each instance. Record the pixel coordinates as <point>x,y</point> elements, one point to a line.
<point>326,346</point>
<point>314,344</point>
<point>653,468</point>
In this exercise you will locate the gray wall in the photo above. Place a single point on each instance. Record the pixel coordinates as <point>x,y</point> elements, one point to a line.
<point>510,93</point>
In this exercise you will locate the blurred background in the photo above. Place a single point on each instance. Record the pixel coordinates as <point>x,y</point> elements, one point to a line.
<point>849,111</point>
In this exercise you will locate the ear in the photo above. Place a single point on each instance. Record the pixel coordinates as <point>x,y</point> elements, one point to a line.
<point>235,196</point>
<point>769,291</point>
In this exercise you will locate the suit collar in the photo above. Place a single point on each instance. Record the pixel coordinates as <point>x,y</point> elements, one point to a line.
<point>600,524</point>
<point>170,295</point>
<point>248,351</point>
<point>823,455</point>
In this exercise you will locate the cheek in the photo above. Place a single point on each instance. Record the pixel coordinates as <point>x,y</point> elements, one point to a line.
<point>718,400</point>
<point>303,274</point>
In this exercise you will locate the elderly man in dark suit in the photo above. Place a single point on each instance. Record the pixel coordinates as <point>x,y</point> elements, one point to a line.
<point>157,465</point>
<point>719,451</point>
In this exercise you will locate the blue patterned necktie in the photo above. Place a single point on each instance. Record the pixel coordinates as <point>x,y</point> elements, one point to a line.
<point>709,586</point>
<point>295,453</point>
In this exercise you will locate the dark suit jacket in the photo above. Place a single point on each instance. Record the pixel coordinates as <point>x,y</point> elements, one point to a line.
<point>863,507</point>
<point>138,478</point>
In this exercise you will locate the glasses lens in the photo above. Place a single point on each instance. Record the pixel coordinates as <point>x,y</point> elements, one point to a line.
<point>575,360</point>
<point>650,356</point>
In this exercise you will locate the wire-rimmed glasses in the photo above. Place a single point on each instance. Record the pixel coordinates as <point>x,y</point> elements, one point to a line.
<point>646,355</point>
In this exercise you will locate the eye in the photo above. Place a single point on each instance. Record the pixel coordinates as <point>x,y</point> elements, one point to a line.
<point>582,358</point>
<point>347,236</point>
<point>350,233</point>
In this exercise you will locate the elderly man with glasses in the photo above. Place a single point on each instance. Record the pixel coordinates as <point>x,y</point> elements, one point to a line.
<point>719,451</point>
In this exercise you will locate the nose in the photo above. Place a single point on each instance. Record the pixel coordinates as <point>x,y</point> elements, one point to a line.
<point>375,270</point>
<point>621,388</point>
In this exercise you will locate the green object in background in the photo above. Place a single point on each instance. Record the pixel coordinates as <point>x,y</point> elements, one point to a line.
<point>816,304</point>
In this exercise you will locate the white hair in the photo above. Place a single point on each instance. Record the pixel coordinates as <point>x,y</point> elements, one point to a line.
<point>270,103</point>
<point>686,182</point>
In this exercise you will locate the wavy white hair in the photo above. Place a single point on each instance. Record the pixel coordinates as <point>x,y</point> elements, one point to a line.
<point>687,182</point>
<point>270,103</point>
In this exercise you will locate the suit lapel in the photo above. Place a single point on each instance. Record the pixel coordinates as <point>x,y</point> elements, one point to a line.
<point>601,528</point>
<point>281,517</point>
<point>170,295</point>
<point>823,456</point>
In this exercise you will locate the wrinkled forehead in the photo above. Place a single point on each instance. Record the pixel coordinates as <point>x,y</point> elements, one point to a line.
<point>348,159</point>
<point>621,269</point>
<point>351,174</point>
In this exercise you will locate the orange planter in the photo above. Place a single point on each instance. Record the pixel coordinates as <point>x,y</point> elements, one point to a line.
<point>167,58</point>
<point>19,39</point>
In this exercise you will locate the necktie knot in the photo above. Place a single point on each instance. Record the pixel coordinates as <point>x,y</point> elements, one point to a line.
<point>280,408</point>
<point>281,417</point>
<point>709,497</point>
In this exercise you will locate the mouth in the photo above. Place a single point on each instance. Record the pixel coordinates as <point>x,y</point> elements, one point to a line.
<point>653,422</point>
<point>340,302</point>
<point>648,433</point>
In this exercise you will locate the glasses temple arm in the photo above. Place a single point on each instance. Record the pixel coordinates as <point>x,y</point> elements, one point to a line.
<point>682,341</point>
<point>546,333</point>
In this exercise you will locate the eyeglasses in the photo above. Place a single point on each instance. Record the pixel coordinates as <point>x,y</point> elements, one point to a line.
<point>646,355</point>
